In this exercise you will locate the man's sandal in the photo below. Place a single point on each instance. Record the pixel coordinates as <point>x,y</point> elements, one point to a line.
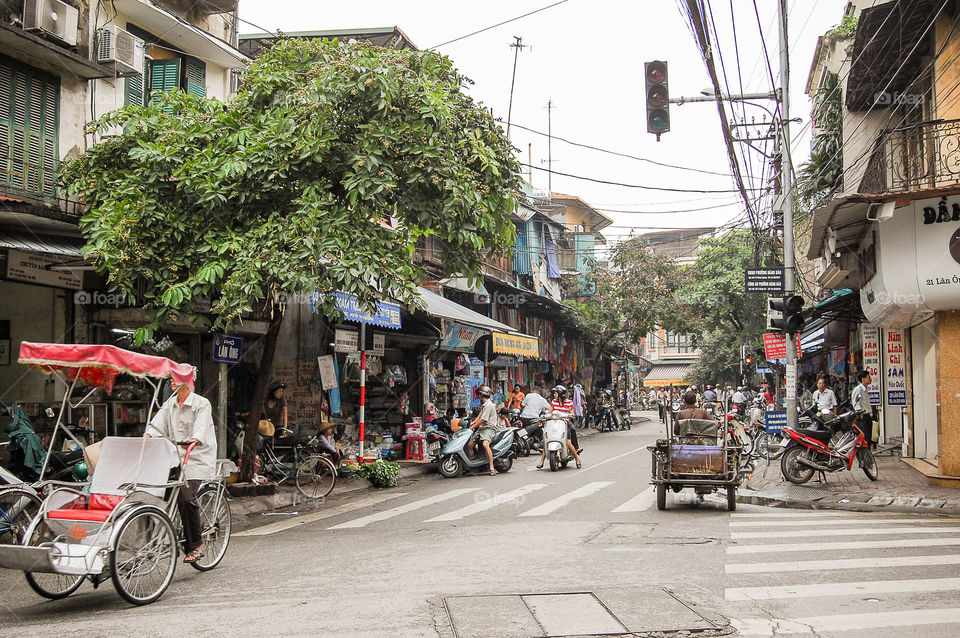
<point>193,556</point>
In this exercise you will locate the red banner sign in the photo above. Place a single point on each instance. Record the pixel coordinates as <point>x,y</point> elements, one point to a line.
<point>775,346</point>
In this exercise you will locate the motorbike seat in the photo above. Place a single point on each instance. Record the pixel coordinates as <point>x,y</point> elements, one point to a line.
<point>499,437</point>
<point>820,435</point>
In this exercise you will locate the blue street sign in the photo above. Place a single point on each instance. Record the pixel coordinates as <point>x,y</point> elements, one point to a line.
<point>776,419</point>
<point>227,348</point>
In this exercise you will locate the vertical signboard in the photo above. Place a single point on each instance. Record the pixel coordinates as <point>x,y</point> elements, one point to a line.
<point>870,343</point>
<point>895,370</point>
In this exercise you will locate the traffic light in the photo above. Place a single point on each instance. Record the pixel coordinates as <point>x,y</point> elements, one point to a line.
<point>658,106</point>
<point>748,360</point>
<point>785,314</point>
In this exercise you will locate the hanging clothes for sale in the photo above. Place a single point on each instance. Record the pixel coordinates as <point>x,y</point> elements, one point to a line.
<point>335,392</point>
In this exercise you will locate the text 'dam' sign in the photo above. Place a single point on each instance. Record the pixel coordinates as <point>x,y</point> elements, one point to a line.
<point>775,346</point>
<point>763,279</point>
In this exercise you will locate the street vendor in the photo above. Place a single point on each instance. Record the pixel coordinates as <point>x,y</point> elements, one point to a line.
<point>187,417</point>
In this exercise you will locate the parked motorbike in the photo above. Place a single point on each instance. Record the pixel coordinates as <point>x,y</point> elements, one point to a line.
<point>455,461</point>
<point>830,450</point>
<point>558,453</point>
<point>521,442</point>
<point>436,437</point>
<point>624,420</point>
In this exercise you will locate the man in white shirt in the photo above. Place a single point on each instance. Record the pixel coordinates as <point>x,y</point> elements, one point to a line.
<point>487,423</point>
<point>860,402</point>
<point>533,404</point>
<point>824,398</point>
<point>187,417</point>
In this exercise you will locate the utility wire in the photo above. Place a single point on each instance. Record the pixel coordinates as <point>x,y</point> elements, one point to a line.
<point>640,186</point>
<point>499,24</point>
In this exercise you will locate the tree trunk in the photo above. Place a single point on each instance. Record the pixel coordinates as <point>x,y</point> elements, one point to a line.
<point>259,394</point>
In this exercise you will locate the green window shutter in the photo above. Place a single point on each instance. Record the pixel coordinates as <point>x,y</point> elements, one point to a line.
<point>29,129</point>
<point>134,88</point>
<point>195,73</point>
<point>164,76</point>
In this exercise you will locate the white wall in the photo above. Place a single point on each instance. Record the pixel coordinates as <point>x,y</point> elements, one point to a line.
<point>39,314</point>
<point>923,345</point>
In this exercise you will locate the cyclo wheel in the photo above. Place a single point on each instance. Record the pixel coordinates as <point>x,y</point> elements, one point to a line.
<point>144,557</point>
<point>18,507</point>
<point>316,476</point>
<point>52,586</point>
<point>215,524</point>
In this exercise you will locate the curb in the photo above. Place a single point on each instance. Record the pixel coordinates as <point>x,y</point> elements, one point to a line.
<point>756,499</point>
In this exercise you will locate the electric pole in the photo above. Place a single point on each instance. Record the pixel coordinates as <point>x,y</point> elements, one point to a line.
<point>549,150</point>
<point>516,46</point>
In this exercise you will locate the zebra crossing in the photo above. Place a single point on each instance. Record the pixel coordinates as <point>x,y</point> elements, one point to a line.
<point>903,567</point>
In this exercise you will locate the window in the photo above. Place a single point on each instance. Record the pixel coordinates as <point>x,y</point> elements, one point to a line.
<point>679,343</point>
<point>29,127</point>
<point>172,71</point>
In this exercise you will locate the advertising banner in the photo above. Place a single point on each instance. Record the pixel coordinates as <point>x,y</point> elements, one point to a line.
<point>870,344</point>
<point>458,337</point>
<point>895,370</point>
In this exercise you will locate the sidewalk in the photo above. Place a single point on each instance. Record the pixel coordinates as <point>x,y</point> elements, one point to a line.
<point>900,488</point>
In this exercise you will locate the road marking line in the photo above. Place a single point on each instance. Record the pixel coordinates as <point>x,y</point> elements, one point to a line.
<point>487,503</point>
<point>638,503</point>
<point>581,492</point>
<point>778,548</point>
<point>403,509</point>
<point>794,514</point>
<point>841,521</point>
<point>279,526</point>
<point>813,625</point>
<point>843,563</point>
<point>587,468</point>
<point>842,589</point>
<point>860,531</point>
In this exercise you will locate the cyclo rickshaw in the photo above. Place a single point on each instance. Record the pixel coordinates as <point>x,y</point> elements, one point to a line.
<point>124,524</point>
<point>697,453</point>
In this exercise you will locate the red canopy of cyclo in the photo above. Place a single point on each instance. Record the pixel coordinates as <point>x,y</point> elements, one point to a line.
<point>99,364</point>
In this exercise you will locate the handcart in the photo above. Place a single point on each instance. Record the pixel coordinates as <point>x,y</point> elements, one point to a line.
<point>123,526</point>
<point>695,454</point>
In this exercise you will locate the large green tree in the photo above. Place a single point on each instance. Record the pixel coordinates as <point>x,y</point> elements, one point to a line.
<point>636,291</point>
<point>320,174</point>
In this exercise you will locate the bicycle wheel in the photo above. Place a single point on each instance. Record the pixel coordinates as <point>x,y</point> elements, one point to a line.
<point>52,586</point>
<point>316,476</point>
<point>17,508</point>
<point>144,558</point>
<point>216,525</point>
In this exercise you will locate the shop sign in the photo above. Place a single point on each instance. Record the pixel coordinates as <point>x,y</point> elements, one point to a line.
<point>32,268</point>
<point>328,373</point>
<point>775,346</point>
<point>346,341</point>
<point>387,316</point>
<point>227,348</point>
<point>516,344</point>
<point>504,361</point>
<point>895,369</point>
<point>870,345</point>
<point>459,338</point>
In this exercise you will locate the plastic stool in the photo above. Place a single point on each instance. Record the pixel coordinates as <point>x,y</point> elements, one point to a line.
<point>414,449</point>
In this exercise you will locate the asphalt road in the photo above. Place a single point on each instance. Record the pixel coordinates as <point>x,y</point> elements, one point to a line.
<point>535,553</point>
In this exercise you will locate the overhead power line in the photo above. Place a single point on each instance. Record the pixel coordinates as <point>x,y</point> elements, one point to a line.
<point>640,186</point>
<point>499,24</point>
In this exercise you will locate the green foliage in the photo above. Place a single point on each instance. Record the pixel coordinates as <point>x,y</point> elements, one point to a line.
<point>214,207</point>
<point>380,473</point>
<point>824,171</point>
<point>638,292</point>
<point>726,316</point>
<point>846,29</point>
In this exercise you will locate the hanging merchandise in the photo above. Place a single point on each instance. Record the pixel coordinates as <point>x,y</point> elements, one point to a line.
<point>335,393</point>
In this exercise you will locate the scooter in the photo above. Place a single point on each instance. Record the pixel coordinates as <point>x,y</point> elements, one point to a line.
<point>455,461</point>
<point>625,419</point>
<point>555,441</point>
<point>812,451</point>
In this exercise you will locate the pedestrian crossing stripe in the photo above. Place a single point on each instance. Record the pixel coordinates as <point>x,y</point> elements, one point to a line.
<point>280,526</point>
<point>838,521</point>
<point>842,589</point>
<point>403,509</point>
<point>779,548</point>
<point>581,492</point>
<point>845,622</point>
<point>638,503</point>
<point>483,504</point>
<point>843,563</point>
<point>850,531</point>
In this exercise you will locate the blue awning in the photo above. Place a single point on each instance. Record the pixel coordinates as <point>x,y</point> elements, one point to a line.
<point>388,314</point>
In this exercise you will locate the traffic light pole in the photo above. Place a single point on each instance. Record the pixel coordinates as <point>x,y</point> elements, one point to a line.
<point>789,283</point>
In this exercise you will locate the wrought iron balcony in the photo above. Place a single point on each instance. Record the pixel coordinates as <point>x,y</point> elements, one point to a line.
<point>922,156</point>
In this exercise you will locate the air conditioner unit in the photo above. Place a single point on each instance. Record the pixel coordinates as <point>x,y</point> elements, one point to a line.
<point>52,18</point>
<point>121,48</point>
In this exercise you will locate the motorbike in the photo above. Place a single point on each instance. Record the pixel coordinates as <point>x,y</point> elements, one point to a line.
<point>623,418</point>
<point>436,437</point>
<point>558,453</point>
<point>454,460</point>
<point>607,420</point>
<point>829,450</point>
<point>522,441</point>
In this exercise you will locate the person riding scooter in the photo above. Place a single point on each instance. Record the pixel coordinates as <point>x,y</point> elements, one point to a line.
<point>564,407</point>
<point>487,425</point>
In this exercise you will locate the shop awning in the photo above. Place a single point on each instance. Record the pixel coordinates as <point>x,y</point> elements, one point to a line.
<point>438,306</point>
<point>667,374</point>
<point>517,344</point>
<point>62,245</point>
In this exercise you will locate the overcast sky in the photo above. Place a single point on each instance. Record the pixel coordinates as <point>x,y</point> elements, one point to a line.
<point>587,57</point>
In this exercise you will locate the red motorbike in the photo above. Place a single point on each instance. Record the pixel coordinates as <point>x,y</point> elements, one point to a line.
<point>830,450</point>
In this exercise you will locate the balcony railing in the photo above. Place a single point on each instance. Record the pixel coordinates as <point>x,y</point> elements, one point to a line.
<point>35,185</point>
<point>922,156</point>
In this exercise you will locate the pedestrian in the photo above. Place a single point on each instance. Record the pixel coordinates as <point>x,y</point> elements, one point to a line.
<point>579,398</point>
<point>860,402</point>
<point>275,408</point>
<point>824,397</point>
<point>186,416</point>
<point>516,397</point>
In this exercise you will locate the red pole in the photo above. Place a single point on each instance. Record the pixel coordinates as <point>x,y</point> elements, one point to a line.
<point>363,382</point>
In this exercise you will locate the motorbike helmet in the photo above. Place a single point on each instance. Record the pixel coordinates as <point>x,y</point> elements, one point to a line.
<point>485,391</point>
<point>608,392</point>
<point>559,389</point>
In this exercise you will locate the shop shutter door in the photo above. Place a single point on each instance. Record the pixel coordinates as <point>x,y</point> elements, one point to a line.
<point>6,91</point>
<point>164,76</point>
<point>196,76</point>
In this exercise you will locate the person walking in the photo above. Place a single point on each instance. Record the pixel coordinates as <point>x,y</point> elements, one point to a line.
<point>860,402</point>
<point>186,416</point>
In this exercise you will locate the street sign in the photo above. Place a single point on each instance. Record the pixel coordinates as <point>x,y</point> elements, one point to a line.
<point>763,279</point>
<point>346,341</point>
<point>227,348</point>
<point>775,346</point>
<point>775,420</point>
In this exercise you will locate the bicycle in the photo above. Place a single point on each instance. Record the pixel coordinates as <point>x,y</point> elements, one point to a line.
<point>313,473</point>
<point>18,506</point>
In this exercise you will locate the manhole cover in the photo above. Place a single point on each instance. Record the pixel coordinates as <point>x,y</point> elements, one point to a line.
<point>572,615</point>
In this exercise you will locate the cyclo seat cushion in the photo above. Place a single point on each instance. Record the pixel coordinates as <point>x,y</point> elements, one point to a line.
<point>697,428</point>
<point>98,508</point>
